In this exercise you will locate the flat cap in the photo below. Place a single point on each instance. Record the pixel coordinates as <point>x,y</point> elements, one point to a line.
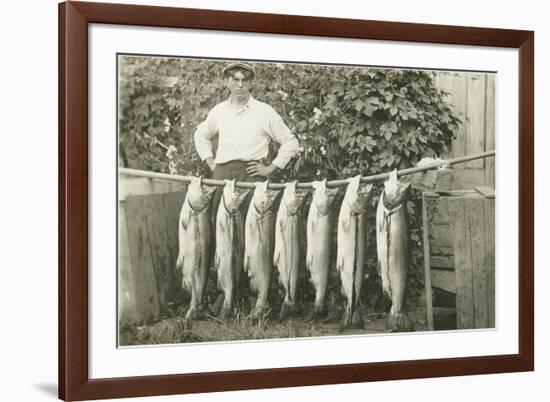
<point>241,66</point>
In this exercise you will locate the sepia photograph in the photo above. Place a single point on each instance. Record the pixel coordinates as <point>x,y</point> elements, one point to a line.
<point>272,200</point>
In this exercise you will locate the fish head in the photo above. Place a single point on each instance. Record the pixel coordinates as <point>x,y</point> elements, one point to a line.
<point>395,190</point>
<point>263,197</point>
<point>198,195</point>
<point>233,196</point>
<point>363,192</point>
<point>293,198</point>
<point>323,196</point>
<point>357,194</point>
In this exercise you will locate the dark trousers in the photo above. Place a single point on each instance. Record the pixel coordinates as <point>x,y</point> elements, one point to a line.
<point>229,171</point>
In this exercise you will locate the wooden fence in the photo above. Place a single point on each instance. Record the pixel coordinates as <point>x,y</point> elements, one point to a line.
<point>473,95</point>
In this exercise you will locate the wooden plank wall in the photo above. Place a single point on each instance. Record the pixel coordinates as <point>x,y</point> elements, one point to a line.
<point>472,224</point>
<point>472,95</point>
<point>441,246</point>
<point>149,283</point>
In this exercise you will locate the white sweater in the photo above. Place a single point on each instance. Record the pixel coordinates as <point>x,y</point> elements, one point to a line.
<point>244,134</point>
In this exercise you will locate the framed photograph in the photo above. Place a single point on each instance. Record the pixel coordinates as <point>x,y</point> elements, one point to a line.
<point>259,200</point>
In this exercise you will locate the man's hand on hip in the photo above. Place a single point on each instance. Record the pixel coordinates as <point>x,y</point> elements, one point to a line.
<point>259,169</point>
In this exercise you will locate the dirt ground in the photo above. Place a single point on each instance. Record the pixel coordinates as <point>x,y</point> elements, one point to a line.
<point>212,329</point>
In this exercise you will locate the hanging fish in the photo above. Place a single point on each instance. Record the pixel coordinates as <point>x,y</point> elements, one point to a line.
<point>392,242</point>
<point>287,255</point>
<point>352,240</point>
<point>259,245</point>
<point>319,243</point>
<point>228,258</point>
<point>195,244</point>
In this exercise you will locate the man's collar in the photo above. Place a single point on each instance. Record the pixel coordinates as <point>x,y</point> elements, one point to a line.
<point>251,101</point>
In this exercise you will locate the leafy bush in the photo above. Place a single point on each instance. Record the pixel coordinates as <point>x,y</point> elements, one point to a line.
<point>348,120</point>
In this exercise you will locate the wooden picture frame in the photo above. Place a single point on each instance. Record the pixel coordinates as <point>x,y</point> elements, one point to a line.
<point>74,381</point>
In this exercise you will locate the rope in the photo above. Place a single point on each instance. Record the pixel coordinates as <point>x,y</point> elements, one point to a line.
<point>333,183</point>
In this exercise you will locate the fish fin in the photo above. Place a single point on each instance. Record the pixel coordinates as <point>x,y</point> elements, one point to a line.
<point>185,217</point>
<point>380,221</point>
<point>217,262</point>
<point>340,264</point>
<point>179,262</point>
<point>276,258</point>
<point>309,261</point>
<point>313,222</point>
<point>221,225</point>
<point>381,225</point>
<point>346,222</point>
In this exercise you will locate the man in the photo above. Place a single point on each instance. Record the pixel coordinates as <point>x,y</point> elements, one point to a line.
<point>245,127</point>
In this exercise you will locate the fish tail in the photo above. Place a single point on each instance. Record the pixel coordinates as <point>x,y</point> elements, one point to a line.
<point>399,322</point>
<point>357,320</point>
<point>285,310</point>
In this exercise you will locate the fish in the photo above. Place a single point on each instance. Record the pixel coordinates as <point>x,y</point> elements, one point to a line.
<point>195,245</point>
<point>393,249</point>
<point>287,255</point>
<point>228,258</point>
<point>351,249</point>
<point>259,245</point>
<point>319,243</point>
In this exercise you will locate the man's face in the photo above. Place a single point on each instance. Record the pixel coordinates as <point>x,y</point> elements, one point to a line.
<point>239,83</point>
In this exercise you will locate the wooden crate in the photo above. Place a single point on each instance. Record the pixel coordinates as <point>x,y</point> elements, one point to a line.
<point>149,284</point>
<point>461,263</point>
<point>472,222</point>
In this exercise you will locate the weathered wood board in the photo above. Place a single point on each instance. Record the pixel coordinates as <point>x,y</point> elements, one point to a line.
<point>152,242</point>
<point>130,185</point>
<point>141,259</point>
<point>444,279</point>
<point>126,291</point>
<point>490,129</point>
<point>472,95</point>
<point>472,223</point>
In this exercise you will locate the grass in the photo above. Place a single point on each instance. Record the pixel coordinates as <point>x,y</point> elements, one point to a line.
<point>240,327</point>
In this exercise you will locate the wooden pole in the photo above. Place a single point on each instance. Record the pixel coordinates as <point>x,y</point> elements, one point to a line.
<point>333,183</point>
<point>427,267</point>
